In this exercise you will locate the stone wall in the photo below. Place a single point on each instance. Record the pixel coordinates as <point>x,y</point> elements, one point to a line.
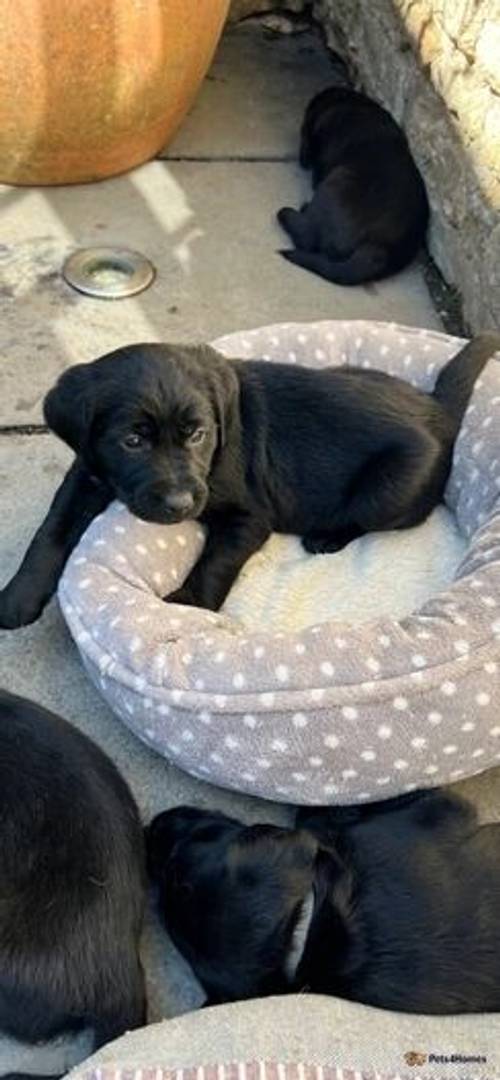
<point>436,65</point>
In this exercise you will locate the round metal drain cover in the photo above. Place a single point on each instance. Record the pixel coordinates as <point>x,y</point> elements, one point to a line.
<point>108,273</point>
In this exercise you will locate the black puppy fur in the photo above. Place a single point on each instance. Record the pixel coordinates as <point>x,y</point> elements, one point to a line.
<point>72,883</point>
<point>369,212</point>
<point>249,448</point>
<point>404,902</point>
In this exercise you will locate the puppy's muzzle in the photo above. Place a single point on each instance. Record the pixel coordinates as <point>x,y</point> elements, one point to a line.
<point>180,504</point>
<point>164,505</point>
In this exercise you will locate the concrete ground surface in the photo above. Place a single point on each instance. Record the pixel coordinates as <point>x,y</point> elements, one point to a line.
<point>205,215</point>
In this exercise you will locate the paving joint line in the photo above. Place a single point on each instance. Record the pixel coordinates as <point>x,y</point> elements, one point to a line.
<point>24,429</point>
<point>230,158</point>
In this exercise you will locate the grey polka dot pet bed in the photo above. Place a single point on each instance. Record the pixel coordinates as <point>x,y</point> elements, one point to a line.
<point>313,702</point>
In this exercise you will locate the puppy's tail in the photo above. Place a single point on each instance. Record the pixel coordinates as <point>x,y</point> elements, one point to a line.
<point>367,263</point>
<point>455,383</point>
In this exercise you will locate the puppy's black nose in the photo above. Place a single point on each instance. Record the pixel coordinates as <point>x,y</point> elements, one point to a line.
<point>180,502</point>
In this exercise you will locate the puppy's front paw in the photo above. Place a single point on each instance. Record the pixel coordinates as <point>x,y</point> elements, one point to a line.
<point>19,607</point>
<point>329,543</point>
<point>184,596</point>
<point>190,597</point>
<point>321,544</point>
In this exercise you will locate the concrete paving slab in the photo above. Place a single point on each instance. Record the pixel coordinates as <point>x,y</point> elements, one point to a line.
<point>211,232</point>
<point>252,101</point>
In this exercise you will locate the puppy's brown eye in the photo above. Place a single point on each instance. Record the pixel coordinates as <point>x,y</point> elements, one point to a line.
<point>133,441</point>
<point>196,437</point>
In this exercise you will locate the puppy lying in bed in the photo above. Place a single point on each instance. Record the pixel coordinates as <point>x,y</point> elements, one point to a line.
<point>369,212</point>
<point>72,883</point>
<point>249,448</point>
<point>395,905</point>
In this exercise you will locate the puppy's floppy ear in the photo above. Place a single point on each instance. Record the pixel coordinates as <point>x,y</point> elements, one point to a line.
<point>294,850</point>
<point>223,387</point>
<point>69,408</point>
<point>303,851</point>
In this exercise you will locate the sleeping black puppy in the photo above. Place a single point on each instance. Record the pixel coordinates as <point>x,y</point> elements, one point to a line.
<point>369,212</point>
<point>72,883</point>
<point>395,905</point>
<point>249,448</point>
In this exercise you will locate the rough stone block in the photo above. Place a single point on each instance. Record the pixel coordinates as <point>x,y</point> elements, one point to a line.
<point>435,65</point>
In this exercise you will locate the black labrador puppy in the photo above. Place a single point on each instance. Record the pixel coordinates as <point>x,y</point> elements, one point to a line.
<point>72,883</point>
<point>249,448</point>
<point>369,212</point>
<point>395,905</point>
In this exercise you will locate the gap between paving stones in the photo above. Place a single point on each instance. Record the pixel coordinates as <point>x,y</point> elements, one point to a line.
<point>230,158</point>
<point>25,429</point>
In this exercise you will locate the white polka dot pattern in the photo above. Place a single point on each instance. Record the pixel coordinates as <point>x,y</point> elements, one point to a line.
<point>338,712</point>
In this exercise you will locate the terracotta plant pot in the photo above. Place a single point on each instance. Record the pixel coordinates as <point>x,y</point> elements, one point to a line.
<point>90,88</point>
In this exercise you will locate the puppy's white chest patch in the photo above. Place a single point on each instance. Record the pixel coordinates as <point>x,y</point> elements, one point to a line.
<point>299,938</point>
